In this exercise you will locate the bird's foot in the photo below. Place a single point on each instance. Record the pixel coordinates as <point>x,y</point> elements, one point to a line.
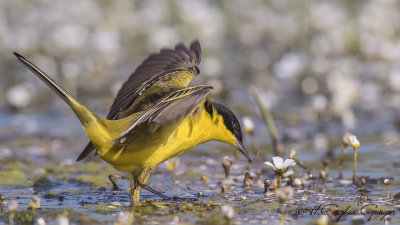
<point>115,186</point>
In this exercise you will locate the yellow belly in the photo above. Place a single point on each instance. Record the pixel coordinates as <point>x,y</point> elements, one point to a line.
<point>145,149</point>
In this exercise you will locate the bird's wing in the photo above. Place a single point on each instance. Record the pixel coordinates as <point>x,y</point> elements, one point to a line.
<point>154,68</point>
<point>170,108</point>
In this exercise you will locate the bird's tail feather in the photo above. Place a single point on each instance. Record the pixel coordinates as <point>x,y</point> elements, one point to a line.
<point>81,111</point>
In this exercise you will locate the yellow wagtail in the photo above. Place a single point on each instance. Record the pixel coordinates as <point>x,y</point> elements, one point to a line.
<point>154,117</point>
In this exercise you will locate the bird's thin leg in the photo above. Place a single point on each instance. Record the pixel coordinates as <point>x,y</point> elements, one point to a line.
<point>135,192</point>
<point>148,188</point>
<point>115,186</point>
<point>140,181</point>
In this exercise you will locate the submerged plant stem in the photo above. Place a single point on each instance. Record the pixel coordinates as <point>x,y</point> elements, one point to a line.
<point>11,218</point>
<point>355,166</point>
<point>387,192</point>
<point>341,161</point>
<point>278,178</point>
<point>267,116</point>
<point>253,142</point>
<point>303,166</point>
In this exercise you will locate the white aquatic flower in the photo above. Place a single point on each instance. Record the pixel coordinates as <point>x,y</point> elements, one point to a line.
<point>280,166</point>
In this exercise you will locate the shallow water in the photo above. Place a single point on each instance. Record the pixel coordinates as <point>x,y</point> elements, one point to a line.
<point>43,164</point>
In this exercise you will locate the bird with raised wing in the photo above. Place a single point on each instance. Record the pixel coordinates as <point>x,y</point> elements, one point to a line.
<point>154,116</point>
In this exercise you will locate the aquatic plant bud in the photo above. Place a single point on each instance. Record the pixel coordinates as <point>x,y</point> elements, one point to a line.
<point>13,206</point>
<point>345,139</point>
<point>396,196</point>
<point>284,194</point>
<point>323,220</point>
<point>2,198</point>
<point>298,182</point>
<point>322,175</point>
<point>350,139</point>
<point>292,153</point>
<point>388,220</point>
<point>227,165</point>
<point>354,142</point>
<point>205,179</point>
<point>35,202</point>
<point>363,181</point>
<point>40,221</point>
<point>124,218</point>
<point>325,163</point>
<point>247,182</point>
<point>62,220</point>
<point>267,184</point>
<point>224,189</point>
<point>227,212</point>
<point>248,124</point>
<point>363,196</point>
<point>173,163</point>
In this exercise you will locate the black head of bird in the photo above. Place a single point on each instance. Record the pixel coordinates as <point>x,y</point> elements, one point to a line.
<point>232,124</point>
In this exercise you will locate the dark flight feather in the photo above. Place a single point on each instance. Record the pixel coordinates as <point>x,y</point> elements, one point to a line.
<point>154,67</point>
<point>147,74</point>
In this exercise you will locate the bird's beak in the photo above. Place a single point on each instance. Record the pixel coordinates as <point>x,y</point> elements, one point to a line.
<point>243,150</point>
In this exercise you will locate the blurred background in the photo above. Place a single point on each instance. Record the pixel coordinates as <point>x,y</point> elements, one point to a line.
<point>320,66</point>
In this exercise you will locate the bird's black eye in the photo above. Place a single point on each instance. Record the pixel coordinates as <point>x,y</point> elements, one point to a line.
<point>230,120</point>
